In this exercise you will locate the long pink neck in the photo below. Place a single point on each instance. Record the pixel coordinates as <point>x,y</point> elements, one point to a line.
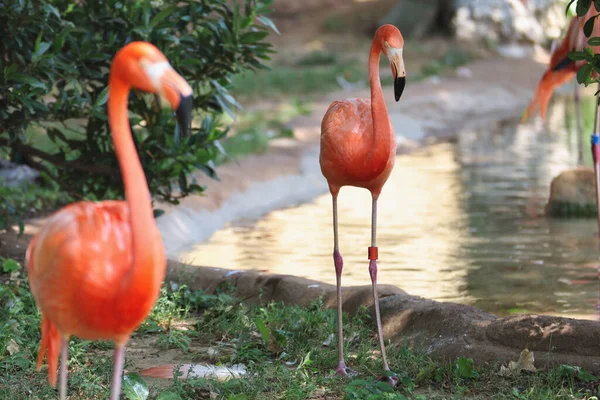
<point>382,134</point>
<point>141,276</point>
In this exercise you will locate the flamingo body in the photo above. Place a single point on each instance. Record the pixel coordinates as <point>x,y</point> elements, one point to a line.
<point>77,263</point>
<point>346,156</point>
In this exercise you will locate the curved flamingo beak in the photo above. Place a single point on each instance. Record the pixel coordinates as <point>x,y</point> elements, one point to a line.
<point>179,95</point>
<point>399,83</point>
<point>175,90</point>
<point>399,71</point>
<point>184,114</point>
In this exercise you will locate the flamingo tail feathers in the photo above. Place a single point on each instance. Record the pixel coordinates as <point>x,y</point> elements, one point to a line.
<point>50,347</point>
<point>551,80</point>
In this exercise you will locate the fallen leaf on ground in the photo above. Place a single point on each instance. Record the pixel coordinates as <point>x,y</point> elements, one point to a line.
<point>525,362</point>
<point>327,342</point>
<point>184,371</point>
<point>12,347</point>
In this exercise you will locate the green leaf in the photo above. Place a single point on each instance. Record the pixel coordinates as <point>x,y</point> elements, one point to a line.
<point>589,26</point>
<point>268,22</point>
<point>583,6</point>
<point>36,46</point>
<point>262,328</point>
<point>30,80</point>
<point>576,55</point>
<point>160,16</point>
<point>102,98</point>
<point>595,41</point>
<point>183,181</point>
<point>10,265</point>
<point>585,376</point>
<point>168,396</point>
<point>135,387</point>
<point>43,47</point>
<point>584,74</point>
<point>567,370</point>
<point>253,37</point>
<point>465,368</point>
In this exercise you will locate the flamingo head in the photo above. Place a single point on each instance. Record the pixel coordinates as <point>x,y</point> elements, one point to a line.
<point>142,66</point>
<point>392,44</point>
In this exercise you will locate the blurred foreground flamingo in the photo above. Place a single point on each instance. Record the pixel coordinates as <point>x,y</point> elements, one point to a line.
<point>95,269</point>
<point>358,148</point>
<point>561,68</point>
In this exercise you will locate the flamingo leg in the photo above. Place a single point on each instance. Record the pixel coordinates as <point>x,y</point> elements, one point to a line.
<point>64,360</point>
<point>115,387</point>
<point>390,378</point>
<point>342,369</point>
<point>578,123</point>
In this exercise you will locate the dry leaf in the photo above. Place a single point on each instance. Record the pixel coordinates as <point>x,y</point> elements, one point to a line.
<point>525,362</point>
<point>12,347</point>
<point>274,346</point>
<point>327,342</point>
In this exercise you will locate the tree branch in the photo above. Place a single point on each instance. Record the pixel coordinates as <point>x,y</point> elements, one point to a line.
<point>57,160</point>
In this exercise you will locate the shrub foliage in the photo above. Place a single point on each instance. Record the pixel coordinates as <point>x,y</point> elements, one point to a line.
<point>54,63</point>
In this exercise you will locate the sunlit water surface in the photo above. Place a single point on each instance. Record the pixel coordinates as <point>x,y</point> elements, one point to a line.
<point>461,222</point>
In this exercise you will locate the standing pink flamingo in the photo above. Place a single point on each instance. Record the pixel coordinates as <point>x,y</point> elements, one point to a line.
<point>358,148</point>
<point>95,269</point>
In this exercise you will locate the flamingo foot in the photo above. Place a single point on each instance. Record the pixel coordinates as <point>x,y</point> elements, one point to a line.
<point>390,378</point>
<point>344,372</point>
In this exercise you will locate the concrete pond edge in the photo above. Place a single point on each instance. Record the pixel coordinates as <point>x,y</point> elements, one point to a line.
<point>441,330</point>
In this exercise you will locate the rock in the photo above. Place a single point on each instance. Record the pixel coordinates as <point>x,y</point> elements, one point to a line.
<point>573,194</point>
<point>259,287</point>
<point>443,330</point>
<point>508,21</point>
<point>448,331</point>
<point>414,17</point>
<point>12,174</point>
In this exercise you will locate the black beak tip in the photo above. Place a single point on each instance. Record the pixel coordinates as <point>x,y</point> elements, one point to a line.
<point>184,114</point>
<point>399,84</point>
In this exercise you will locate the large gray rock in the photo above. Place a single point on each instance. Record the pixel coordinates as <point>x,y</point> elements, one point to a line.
<point>12,174</point>
<point>490,21</point>
<point>415,17</point>
<point>449,330</point>
<point>509,21</point>
<point>573,194</point>
<point>443,330</point>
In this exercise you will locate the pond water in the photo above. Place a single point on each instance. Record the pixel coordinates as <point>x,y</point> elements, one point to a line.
<point>461,222</point>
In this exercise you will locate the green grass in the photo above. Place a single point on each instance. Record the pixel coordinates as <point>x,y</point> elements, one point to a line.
<point>281,346</point>
<point>254,130</point>
<point>315,74</point>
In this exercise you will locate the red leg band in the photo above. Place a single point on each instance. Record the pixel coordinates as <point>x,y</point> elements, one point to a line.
<point>373,253</point>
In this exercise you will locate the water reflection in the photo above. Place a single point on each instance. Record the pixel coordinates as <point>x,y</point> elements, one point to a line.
<point>458,222</point>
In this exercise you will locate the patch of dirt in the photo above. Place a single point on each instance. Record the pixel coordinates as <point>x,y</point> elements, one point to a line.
<point>13,246</point>
<point>144,351</point>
